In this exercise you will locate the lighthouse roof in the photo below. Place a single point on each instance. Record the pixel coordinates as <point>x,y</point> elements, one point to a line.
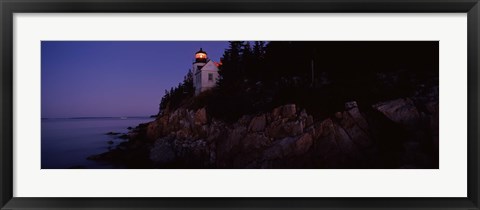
<point>201,51</point>
<point>209,66</point>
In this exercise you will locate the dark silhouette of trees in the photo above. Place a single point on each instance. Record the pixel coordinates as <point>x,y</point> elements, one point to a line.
<point>257,68</point>
<point>229,71</point>
<point>319,76</point>
<point>174,98</point>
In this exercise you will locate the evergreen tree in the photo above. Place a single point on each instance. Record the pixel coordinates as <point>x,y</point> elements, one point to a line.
<point>247,62</point>
<point>259,49</point>
<point>229,71</point>
<point>258,64</point>
<point>164,101</point>
<point>188,83</point>
<point>176,96</point>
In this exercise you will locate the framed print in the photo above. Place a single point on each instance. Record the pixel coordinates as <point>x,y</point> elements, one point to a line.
<point>251,105</point>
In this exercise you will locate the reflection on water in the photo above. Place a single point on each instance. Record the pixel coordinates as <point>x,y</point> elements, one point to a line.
<point>66,143</point>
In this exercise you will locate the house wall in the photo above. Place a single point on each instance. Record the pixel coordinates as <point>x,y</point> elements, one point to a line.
<point>201,81</point>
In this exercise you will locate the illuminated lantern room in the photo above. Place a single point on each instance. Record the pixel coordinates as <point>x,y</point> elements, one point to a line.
<point>200,56</point>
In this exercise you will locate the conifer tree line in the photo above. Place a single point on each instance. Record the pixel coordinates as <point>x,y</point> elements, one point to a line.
<point>256,76</point>
<point>173,98</point>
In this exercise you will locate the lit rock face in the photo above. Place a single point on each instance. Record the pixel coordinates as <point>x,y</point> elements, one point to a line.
<point>401,111</point>
<point>258,123</point>
<point>391,134</point>
<point>420,129</point>
<point>201,117</point>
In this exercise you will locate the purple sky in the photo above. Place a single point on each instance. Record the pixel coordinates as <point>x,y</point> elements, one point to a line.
<point>114,78</point>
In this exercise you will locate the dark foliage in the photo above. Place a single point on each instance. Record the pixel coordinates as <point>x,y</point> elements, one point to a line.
<point>176,96</point>
<point>319,76</point>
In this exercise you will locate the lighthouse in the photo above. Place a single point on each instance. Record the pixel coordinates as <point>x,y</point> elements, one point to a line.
<point>205,72</point>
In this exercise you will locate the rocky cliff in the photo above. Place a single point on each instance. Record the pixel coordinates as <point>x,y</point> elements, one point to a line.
<point>400,133</point>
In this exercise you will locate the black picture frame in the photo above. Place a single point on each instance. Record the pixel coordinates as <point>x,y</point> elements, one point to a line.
<point>9,7</point>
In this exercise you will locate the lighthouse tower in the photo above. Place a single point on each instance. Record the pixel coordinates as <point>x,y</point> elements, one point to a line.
<point>205,72</point>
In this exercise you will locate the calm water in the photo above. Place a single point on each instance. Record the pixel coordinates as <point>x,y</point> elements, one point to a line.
<point>66,143</point>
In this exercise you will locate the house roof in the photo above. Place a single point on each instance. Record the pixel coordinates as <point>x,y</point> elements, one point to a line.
<point>209,64</point>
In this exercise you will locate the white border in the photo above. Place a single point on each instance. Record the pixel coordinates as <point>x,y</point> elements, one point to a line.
<point>449,181</point>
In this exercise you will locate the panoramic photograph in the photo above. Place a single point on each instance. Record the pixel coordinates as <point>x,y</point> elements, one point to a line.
<point>239,104</point>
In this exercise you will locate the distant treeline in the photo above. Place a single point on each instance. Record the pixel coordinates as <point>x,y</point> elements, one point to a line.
<point>173,99</point>
<point>317,75</point>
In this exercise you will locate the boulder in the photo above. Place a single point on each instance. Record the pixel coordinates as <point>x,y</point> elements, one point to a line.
<point>275,130</point>
<point>326,127</point>
<point>283,128</point>
<point>280,149</point>
<point>350,105</point>
<point>236,135</point>
<point>277,113</point>
<point>318,129</point>
<point>216,129</point>
<point>356,128</point>
<point>288,146</point>
<point>175,118</point>
<point>401,111</point>
<point>201,116</point>
<point>333,147</point>
<point>244,120</point>
<point>190,117</point>
<point>345,143</point>
<point>359,119</point>
<point>311,130</point>
<point>303,113</point>
<point>303,144</point>
<point>289,111</point>
<point>183,133</point>
<point>154,130</point>
<point>293,128</point>
<point>328,153</point>
<point>255,141</point>
<point>258,123</point>
<point>309,121</point>
<point>338,115</point>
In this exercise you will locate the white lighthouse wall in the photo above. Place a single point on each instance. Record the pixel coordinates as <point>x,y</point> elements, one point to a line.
<point>197,76</point>
<point>202,82</point>
<point>197,82</point>
<point>206,83</point>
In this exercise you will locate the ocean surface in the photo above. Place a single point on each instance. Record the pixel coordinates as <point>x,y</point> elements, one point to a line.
<point>67,142</point>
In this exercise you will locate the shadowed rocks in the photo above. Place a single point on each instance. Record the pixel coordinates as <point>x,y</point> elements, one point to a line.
<point>389,134</point>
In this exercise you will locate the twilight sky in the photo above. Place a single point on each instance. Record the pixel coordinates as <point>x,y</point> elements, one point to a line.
<point>114,78</point>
